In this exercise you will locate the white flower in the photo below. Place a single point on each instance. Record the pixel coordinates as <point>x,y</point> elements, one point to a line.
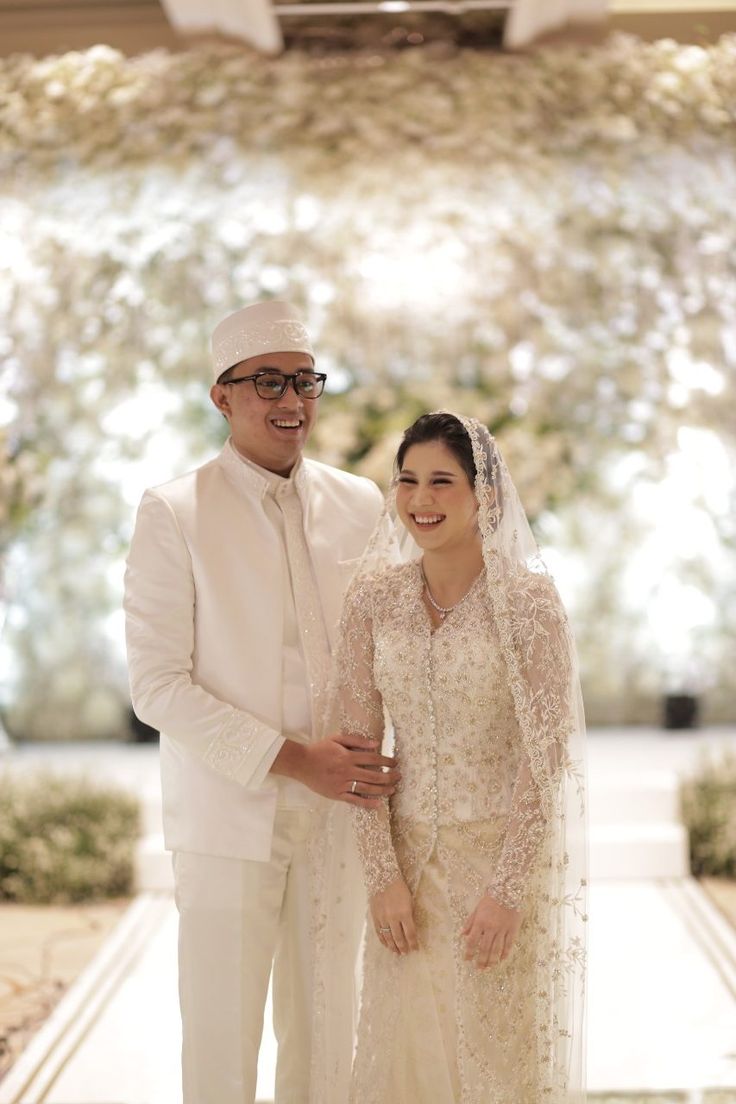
<point>524,239</point>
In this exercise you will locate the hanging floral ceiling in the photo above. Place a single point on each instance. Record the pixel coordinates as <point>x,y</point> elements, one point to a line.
<point>546,241</point>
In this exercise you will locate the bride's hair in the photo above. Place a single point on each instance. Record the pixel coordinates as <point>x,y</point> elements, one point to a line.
<point>440,427</point>
<point>448,429</point>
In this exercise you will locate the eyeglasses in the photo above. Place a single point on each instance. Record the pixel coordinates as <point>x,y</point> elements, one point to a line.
<point>271,384</point>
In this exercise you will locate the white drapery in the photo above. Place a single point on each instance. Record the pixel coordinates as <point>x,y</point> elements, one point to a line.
<point>528,19</point>
<point>255,21</point>
<point>251,21</point>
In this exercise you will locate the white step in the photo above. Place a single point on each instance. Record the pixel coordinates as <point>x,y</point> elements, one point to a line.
<point>153,871</point>
<point>661,1008</point>
<point>151,815</point>
<point>636,851</point>
<point>649,796</point>
<point>624,851</point>
<point>66,1042</point>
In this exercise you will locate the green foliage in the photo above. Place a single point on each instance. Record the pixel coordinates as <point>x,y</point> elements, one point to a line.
<point>64,840</point>
<point>709,812</point>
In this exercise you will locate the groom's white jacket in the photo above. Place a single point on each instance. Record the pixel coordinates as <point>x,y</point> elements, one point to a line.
<point>204,626</point>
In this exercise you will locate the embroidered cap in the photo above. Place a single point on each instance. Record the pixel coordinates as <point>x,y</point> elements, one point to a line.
<point>269,327</point>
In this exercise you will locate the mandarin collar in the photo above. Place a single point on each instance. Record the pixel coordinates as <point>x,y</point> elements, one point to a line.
<point>252,478</point>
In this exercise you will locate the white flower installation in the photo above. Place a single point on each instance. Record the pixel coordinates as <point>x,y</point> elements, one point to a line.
<point>546,241</point>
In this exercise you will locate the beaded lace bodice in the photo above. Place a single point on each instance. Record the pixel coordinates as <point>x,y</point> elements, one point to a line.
<point>488,727</point>
<point>447,694</point>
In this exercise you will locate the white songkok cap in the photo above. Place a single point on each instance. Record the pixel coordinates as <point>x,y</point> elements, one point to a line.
<point>270,327</point>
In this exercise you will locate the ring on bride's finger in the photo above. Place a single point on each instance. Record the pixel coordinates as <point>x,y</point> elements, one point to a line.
<point>353,787</point>
<point>382,930</point>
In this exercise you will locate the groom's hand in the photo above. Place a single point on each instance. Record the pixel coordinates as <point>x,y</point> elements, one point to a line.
<point>344,767</point>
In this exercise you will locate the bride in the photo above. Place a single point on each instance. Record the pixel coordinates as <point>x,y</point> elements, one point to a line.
<point>473,957</point>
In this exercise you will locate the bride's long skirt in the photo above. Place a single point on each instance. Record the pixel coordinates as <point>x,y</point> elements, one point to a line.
<point>434,1029</point>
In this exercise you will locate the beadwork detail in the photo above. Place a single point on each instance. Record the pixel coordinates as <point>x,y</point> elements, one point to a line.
<point>228,751</point>
<point>467,819</point>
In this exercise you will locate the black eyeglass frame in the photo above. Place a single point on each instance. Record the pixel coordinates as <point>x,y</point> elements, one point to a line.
<point>288,377</point>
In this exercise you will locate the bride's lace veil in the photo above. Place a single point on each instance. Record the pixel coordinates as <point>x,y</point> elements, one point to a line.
<point>542,669</point>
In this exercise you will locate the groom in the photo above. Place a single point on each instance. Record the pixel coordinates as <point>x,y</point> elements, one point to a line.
<point>234,584</point>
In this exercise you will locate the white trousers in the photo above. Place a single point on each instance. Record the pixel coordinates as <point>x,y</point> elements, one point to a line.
<point>237,919</point>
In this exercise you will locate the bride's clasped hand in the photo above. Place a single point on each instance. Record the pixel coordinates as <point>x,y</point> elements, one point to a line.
<point>490,932</point>
<point>393,917</point>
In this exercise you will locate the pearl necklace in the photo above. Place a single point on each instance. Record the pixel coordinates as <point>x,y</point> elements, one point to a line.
<point>444,610</point>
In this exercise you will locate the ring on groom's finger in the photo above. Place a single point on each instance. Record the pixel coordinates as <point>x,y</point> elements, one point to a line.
<point>354,787</point>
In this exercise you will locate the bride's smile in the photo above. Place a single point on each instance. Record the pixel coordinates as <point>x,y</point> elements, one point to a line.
<point>435,499</point>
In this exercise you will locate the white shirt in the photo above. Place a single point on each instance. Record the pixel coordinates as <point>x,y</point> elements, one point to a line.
<point>296,718</point>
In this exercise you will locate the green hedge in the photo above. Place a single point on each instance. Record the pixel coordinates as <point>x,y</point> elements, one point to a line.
<point>709,811</point>
<point>64,840</point>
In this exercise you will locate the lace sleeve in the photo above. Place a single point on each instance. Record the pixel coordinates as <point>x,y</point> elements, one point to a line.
<point>542,643</point>
<point>361,713</point>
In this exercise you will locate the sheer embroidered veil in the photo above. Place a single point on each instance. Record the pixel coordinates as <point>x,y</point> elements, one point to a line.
<point>542,669</point>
